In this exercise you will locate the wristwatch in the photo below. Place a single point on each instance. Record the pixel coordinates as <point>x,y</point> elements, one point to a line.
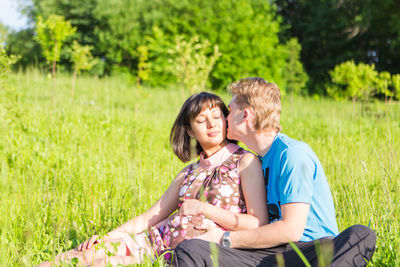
<point>226,240</point>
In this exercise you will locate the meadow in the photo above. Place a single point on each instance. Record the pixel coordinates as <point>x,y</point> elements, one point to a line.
<point>71,169</point>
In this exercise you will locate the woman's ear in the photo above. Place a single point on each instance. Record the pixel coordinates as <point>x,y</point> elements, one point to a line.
<point>189,132</point>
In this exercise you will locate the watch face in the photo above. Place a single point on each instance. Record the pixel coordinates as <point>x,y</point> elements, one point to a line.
<point>226,241</point>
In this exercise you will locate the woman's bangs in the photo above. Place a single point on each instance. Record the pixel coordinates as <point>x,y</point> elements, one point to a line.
<point>204,101</point>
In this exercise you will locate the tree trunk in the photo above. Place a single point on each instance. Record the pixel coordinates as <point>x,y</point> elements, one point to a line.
<point>53,72</point>
<point>54,83</point>
<point>73,84</point>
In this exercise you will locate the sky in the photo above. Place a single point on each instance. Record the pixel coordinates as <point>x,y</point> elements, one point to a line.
<point>10,16</point>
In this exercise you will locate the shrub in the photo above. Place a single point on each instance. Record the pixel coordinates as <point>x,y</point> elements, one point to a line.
<point>5,65</point>
<point>396,85</point>
<point>351,81</point>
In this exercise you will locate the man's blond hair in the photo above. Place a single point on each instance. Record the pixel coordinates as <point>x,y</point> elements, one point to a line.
<point>263,97</point>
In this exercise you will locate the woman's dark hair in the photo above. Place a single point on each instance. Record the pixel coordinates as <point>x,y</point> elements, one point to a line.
<point>179,138</point>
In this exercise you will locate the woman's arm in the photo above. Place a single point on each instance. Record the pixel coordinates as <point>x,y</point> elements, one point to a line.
<point>253,188</point>
<point>167,204</point>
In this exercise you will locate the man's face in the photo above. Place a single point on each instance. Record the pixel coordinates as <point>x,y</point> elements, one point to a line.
<point>234,120</point>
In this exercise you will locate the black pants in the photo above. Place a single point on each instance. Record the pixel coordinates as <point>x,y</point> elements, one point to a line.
<point>352,247</point>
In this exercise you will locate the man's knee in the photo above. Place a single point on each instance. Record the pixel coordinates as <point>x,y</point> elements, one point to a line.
<point>359,234</point>
<point>354,246</point>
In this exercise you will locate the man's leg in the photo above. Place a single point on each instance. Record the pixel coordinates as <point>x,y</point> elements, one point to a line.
<point>197,252</point>
<point>353,247</point>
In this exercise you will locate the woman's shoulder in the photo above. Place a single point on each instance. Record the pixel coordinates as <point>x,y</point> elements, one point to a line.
<point>248,160</point>
<point>189,168</point>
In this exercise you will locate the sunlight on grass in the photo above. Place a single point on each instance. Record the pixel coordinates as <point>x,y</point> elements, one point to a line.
<point>84,168</point>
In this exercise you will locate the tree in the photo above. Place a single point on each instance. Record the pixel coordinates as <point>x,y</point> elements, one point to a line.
<point>328,32</point>
<point>192,62</point>
<point>22,43</point>
<point>246,32</point>
<point>295,76</point>
<point>335,31</point>
<point>82,59</point>
<point>51,34</point>
<point>381,33</point>
<point>80,13</point>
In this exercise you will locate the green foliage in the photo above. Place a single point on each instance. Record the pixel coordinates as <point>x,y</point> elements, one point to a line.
<point>5,66</point>
<point>51,34</point>
<point>22,43</point>
<point>160,45</point>
<point>295,76</point>
<point>81,57</point>
<point>353,81</point>
<point>245,31</point>
<point>383,84</point>
<point>143,72</point>
<point>192,62</point>
<point>3,34</point>
<point>396,85</point>
<point>335,31</point>
<point>328,33</point>
<point>79,12</point>
<point>361,81</point>
<point>380,34</point>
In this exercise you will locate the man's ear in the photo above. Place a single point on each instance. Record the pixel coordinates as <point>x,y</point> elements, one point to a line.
<point>246,114</point>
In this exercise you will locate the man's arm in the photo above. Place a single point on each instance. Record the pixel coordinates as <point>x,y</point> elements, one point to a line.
<point>289,228</point>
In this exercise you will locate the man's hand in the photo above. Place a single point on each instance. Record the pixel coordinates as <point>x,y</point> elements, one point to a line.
<point>192,207</point>
<point>213,234</point>
<point>89,243</point>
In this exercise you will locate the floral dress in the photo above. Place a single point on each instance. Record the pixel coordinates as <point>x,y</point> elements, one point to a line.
<point>214,180</point>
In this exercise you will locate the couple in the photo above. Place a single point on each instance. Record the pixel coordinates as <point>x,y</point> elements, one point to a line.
<point>251,209</point>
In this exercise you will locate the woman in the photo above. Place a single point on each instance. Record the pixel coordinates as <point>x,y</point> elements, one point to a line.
<point>215,190</point>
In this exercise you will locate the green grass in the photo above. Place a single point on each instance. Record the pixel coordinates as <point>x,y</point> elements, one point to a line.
<point>70,170</point>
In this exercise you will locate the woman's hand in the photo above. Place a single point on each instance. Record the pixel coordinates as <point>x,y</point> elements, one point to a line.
<point>212,234</point>
<point>192,207</point>
<point>89,243</point>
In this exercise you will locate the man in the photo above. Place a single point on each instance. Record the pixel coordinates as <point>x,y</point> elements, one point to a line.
<point>299,201</point>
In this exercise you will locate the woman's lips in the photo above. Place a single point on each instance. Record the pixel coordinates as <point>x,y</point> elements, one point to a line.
<point>212,134</point>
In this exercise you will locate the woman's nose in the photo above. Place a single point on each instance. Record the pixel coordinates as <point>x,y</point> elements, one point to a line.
<point>211,123</point>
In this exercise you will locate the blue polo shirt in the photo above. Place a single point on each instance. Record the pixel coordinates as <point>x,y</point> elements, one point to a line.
<point>293,173</point>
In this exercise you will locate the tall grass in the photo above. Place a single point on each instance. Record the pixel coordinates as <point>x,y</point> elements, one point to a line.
<point>76,169</point>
